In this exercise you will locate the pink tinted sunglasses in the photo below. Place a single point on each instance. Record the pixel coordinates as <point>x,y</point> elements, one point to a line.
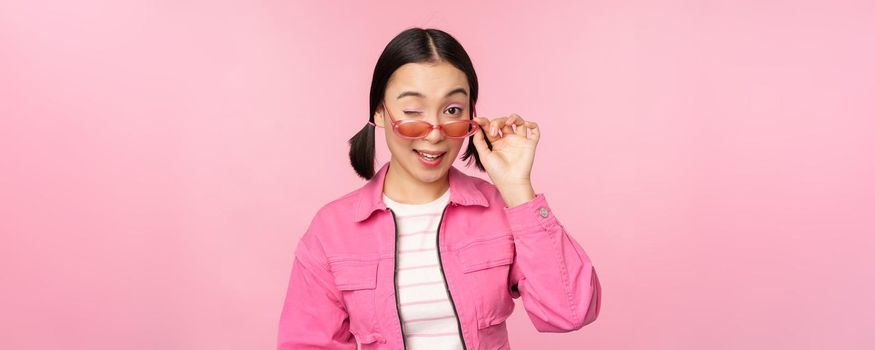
<point>417,129</point>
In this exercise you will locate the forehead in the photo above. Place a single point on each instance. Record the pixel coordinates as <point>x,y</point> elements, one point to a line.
<point>433,80</point>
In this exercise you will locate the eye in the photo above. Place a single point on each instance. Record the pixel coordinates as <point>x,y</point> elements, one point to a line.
<point>412,112</point>
<point>454,108</point>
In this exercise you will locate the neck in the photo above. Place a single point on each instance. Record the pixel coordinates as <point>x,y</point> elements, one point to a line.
<point>402,187</point>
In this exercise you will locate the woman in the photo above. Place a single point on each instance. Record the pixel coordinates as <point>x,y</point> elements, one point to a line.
<point>424,256</point>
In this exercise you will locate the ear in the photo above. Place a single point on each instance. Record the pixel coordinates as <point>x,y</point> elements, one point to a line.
<point>378,117</point>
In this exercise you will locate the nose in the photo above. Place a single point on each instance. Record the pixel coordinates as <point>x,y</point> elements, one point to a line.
<point>435,135</point>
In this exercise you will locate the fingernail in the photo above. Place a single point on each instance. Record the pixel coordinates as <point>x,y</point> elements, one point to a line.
<point>492,131</point>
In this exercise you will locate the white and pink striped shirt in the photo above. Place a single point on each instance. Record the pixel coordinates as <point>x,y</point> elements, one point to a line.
<point>427,315</point>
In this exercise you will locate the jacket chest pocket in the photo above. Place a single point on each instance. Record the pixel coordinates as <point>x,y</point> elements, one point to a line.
<point>357,282</point>
<point>486,264</point>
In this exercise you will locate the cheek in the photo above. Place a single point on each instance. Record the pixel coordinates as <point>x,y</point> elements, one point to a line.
<point>456,147</point>
<point>398,145</point>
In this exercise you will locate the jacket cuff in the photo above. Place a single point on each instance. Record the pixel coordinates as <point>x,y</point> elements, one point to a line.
<point>532,215</point>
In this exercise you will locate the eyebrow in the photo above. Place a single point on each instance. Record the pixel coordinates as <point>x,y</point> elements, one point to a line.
<point>417,94</point>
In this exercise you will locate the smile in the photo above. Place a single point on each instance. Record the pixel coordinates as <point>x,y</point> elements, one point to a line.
<point>430,158</point>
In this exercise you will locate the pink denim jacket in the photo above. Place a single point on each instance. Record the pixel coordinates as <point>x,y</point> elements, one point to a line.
<point>342,281</point>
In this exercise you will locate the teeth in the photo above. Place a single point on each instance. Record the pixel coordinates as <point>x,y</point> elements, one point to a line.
<point>430,157</point>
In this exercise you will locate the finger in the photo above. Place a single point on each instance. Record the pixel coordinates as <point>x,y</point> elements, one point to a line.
<point>534,131</point>
<point>482,121</point>
<point>519,125</point>
<point>479,142</point>
<point>507,125</point>
<point>484,124</point>
<point>494,127</point>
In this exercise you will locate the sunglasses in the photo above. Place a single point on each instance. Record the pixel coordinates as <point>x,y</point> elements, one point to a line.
<point>417,129</point>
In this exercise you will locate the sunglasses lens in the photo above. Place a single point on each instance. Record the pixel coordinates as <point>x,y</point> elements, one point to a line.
<point>414,129</point>
<point>419,129</point>
<point>458,129</point>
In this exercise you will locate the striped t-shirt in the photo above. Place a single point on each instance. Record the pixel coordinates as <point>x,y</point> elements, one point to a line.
<point>427,315</point>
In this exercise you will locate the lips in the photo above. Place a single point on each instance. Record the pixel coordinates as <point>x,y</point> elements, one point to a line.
<point>431,153</point>
<point>430,159</point>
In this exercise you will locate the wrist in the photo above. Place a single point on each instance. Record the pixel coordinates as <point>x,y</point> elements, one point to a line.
<point>517,195</point>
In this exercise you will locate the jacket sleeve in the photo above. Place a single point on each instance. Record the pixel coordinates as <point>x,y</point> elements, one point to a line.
<point>555,277</point>
<point>313,316</point>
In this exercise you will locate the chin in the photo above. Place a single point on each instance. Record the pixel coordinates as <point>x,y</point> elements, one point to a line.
<point>429,176</point>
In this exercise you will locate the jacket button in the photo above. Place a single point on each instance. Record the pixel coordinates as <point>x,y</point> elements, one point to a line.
<point>544,212</point>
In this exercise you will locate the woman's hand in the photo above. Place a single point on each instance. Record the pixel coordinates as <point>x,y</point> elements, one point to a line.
<point>509,162</point>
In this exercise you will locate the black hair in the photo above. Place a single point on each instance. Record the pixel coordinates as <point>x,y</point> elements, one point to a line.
<point>413,45</point>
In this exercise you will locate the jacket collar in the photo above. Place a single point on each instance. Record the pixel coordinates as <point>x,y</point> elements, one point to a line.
<point>462,192</point>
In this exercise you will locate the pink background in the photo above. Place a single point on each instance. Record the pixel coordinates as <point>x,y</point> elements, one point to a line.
<point>161,159</point>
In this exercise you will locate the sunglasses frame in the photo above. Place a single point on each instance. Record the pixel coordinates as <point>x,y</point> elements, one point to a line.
<point>396,125</point>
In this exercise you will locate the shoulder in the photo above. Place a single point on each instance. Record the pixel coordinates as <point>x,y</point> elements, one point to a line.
<point>341,207</point>
<point>334,212</point>
<point>329,216</point>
